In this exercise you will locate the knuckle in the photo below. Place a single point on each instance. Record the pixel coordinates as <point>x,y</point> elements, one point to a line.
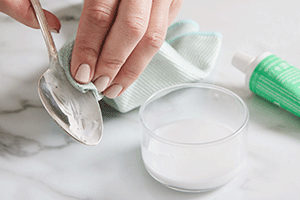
<point>154,39</point>
<point>130,74</point>
<point>100,15</point>
<point>113,64</point>
<point>27,14</point>
<point>85,50</point>
<point>135,26</point>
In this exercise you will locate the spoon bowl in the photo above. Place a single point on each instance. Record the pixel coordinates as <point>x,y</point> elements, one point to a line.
<point>77,113</point>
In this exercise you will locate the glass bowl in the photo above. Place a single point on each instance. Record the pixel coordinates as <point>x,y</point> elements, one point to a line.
<point>194,136</point>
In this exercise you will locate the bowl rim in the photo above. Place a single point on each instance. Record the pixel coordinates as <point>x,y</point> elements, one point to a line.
<point>194,85</point>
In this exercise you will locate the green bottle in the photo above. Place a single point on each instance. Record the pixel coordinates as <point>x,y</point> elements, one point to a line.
<point>271,78</point>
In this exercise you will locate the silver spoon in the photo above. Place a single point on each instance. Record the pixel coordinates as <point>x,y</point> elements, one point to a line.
<point>79,114</point>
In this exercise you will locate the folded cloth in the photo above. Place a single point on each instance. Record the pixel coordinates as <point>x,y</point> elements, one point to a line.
<point>186,56</point>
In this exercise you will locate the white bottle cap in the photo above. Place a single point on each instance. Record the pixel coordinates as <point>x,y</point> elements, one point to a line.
<point>242,61</point>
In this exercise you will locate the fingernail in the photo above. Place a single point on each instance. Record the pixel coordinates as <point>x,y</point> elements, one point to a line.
<point>101,83</point>
<point>83,73</point>
<point>113,91</point>
<point>54,30</point>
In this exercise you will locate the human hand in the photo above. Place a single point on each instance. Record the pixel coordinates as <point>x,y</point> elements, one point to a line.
<point>22,11</point>
<point>116,39</point>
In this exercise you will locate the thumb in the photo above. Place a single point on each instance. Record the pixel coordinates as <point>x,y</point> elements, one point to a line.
<point>23,12</point>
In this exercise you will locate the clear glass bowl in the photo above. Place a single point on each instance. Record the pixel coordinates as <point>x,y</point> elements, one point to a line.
<point>194,136</point>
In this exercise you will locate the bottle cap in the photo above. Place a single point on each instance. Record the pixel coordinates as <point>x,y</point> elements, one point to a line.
<point>242,61</point>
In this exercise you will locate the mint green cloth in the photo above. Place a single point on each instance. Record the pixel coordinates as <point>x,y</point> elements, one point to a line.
<point>187,55</point>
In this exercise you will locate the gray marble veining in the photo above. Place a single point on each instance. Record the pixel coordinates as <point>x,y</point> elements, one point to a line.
<point>39,161</point>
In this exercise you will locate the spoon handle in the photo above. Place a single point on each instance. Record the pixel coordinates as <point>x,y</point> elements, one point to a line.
<point>45,29</point>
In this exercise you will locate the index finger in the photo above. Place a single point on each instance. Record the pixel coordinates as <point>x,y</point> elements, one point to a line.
<point>130,25</point>
<point>95,21</point>
<point>22,11</point>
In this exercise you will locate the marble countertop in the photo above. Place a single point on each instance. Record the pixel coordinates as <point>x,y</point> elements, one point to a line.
<point>39,161</point>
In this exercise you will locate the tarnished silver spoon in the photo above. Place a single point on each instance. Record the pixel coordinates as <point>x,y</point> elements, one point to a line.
<point>79,114</point>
